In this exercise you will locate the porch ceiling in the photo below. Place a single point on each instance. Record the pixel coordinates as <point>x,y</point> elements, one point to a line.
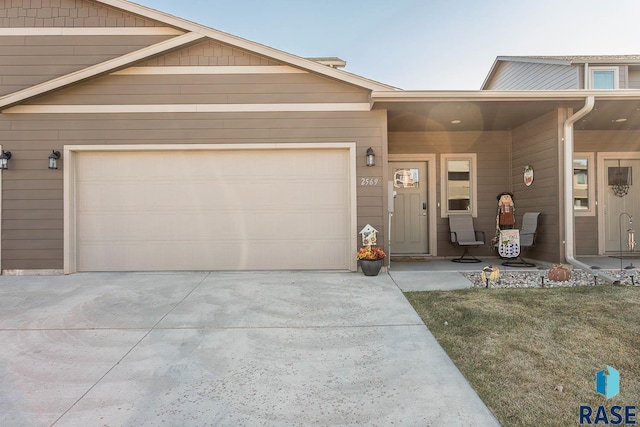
<point>496,115</point>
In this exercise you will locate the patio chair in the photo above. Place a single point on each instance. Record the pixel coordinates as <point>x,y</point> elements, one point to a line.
<point>463,235</point>
<point>528,234</point>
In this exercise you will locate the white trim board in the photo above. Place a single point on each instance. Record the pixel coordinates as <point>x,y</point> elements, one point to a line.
<point>186,108</point>
<point>69,191</point>
<point>91,31</point>
<point>216,69</point>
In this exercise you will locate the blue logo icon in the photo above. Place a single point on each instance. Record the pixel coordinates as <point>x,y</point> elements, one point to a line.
<point>608,382</point>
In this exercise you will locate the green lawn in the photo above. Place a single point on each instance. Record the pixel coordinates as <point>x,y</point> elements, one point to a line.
<point>532,354</point>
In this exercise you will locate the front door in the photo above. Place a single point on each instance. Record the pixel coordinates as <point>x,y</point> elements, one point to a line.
<point>409,226</point>
<point>622,199</point>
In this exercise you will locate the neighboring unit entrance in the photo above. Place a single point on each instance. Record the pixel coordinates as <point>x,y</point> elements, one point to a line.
<point>409,227</point>
<point>212,210</point>
<point>620,176</point>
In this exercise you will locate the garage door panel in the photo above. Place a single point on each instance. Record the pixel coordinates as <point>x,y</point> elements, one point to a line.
<point>186,226</point>
<point>213,210</point>
<point>266,255</point>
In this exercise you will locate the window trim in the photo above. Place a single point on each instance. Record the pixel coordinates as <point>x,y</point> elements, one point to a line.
<point>591,190</point>
<point>616,76</point>
<point>473,185</point>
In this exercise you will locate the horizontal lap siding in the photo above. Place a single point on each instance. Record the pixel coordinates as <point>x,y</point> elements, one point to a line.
<point>537,144</point>
<point>207,89</point>
<point>32,223</point>
<point>29,60</point>
<point>494,176</point>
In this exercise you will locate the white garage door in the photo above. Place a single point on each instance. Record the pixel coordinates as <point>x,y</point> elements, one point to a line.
<point>212,210</point>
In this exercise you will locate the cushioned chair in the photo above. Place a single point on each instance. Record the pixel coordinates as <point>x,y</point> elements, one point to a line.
<point>527,239</point>
<point>463,235</point>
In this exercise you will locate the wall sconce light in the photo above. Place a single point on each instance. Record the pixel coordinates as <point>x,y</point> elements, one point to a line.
<point>371,157</point>
<point>53,159</point>
<point>4,159</point>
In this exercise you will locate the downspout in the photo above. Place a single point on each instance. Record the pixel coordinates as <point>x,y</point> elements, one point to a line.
<point>569,220</point>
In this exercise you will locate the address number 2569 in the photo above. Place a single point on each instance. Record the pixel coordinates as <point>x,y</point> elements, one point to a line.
<point>369,182</point>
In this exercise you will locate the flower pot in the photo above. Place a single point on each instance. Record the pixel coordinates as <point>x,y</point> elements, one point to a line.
<point>371,267</point>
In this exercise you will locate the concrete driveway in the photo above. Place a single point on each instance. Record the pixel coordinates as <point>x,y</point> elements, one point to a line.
<point>183,349</point>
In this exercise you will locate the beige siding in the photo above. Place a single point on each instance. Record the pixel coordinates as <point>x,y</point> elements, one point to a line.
<point>537,144</point>
<point>207,89</point>
<point>634,78</point>
<point>586,235</point>
<point>29,60</point>
<point>532,76</point>
<point>65,13</point>
<point>32,224</point>
<point>493,153</point>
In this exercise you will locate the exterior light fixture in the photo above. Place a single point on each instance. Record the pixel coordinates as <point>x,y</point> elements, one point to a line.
<point>53,159</point>
<point>4,159</point>
<point>542,272</point>
<point>371,157</point>
<point>595,270</point>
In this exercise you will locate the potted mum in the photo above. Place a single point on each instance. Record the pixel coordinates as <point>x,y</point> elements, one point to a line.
<point>371,258</point>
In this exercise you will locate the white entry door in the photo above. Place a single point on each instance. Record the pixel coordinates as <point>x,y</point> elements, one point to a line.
<point>617,175</point>
<point>409,227</point>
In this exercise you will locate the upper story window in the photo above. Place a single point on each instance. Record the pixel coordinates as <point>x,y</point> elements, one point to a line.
<point>459,188</point>
<point>604,78</point>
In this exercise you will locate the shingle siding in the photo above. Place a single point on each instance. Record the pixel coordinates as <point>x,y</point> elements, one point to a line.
<point>66,13</point>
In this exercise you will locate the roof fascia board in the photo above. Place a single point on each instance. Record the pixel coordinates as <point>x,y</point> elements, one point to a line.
<point>492,71</point>
<point>246,44</point>
<point>612,62</point>
<point>525,59</point>
<point>98,69</point>
<point>484,95</point>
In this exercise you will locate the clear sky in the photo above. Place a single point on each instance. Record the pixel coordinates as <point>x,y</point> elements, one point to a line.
<point>422,44</point>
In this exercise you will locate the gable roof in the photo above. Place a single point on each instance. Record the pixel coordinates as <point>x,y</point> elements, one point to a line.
<point>193,31</point>
<point>567,60</point>
<point>241,43</point>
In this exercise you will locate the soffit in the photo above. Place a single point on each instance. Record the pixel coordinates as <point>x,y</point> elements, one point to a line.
<point>499,111</point>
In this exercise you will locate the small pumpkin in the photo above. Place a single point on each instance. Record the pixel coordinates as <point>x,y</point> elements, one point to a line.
<point>559,273</point>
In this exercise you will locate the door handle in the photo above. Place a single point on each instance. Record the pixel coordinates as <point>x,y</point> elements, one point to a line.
<point>424,206</point>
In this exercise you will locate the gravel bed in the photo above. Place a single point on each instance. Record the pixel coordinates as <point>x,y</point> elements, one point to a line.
<point>531,279</point>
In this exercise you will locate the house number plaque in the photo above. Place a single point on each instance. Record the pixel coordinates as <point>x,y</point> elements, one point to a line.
<point>369,182</point>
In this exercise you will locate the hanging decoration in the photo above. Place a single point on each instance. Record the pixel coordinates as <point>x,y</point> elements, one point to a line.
<point>528,175</point>
<point>619,180</point>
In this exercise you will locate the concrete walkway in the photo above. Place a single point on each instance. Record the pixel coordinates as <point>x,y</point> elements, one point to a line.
<point>194,349</point>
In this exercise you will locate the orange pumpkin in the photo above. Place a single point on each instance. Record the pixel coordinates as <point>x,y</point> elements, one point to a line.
<point>559,273</point>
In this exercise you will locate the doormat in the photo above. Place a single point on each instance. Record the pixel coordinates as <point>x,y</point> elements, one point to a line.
<point>408,258</point>
<point>630,256</point>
